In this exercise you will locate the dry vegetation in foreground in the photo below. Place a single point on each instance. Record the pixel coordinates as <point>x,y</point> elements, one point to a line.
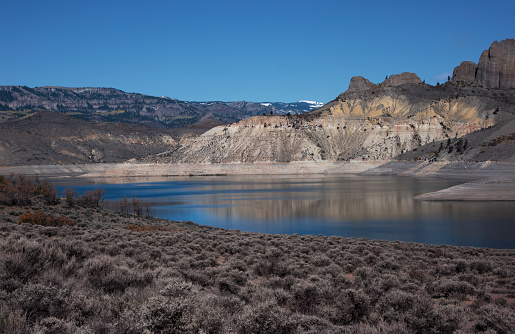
<point>121,273</point>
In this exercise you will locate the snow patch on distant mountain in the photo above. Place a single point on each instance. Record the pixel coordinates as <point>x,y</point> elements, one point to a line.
<point>312,102</point>
<point>293,108</point>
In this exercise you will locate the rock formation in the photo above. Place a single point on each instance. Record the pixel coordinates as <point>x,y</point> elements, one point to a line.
<point>465,72</point>
<point>496,67</point>
<point>358,83</point>
<point>401,79</point>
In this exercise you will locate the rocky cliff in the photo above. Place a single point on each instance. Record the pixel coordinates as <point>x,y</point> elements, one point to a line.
<point>465,73</point>
<point>401,79</point>
<point>360,84</point>
<point>495,69</point>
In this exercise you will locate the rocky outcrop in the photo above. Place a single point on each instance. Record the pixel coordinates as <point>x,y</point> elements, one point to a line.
<point>465,72</point>
<point>361,84</point>
<point>401,79</point>
<point>358,83</point>
<point>496,67</point>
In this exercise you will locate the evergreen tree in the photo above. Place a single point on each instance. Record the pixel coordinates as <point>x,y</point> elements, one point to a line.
<point>459,146</point>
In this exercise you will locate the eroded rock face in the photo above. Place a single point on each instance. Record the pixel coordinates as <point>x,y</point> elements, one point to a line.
<point>465,73</point>
<point>365,126</point>
<point>358,83</point>
<point>401,79</point>
<point>496,67</point>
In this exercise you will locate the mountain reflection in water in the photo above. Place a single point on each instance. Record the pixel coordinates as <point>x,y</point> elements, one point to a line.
<point>379,207</point>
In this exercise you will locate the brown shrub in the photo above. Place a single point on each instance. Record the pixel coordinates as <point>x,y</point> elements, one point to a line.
<point>92,198</point>
<point>144,228</point>
<point>48,191</point>
<point>16,190</point>
<point>70,197</point>
<point>40,218</point>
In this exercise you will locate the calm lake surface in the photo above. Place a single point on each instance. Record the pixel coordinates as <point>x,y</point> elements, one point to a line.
<point>375,207</point>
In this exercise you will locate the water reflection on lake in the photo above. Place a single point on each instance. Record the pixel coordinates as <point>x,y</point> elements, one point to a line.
<point>378,207</point>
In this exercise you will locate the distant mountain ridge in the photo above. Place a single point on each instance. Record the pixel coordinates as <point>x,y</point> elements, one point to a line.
<point>113,105</point>
<point>47,137</point>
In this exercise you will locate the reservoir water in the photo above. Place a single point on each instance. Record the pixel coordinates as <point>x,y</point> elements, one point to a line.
<point>375,207</point>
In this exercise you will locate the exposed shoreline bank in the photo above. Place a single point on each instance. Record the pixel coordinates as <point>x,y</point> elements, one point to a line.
<point>153,169</point>
<point>488,181</point>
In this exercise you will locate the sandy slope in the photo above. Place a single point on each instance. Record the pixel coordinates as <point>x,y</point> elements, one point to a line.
<point>488,181</point>
<point>484,190</point>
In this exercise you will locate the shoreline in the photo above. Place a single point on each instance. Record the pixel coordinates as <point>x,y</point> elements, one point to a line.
<point>493,189</point>
<point>487,181</point>
<point>155,169</point>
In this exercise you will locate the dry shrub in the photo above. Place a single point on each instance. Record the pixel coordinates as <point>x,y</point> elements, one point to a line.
<point>16,190</point>
<point>103,273</point>
<point>40,218</point>
<point>12,321</point>
<point>267,318</point>
<point>92,198</point>
<point>70,197</point>
<point>453,288</point>
<point>39,301</point>
<point>163,315</point>
<point>494,318</point>
<point>48,191</point>
<point>145,228</point>
<point>53,325</point>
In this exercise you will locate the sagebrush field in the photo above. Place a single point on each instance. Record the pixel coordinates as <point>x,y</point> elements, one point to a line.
<point>69,266</point>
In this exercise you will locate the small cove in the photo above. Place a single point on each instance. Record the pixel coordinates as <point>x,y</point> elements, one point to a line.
<point>375,207</point>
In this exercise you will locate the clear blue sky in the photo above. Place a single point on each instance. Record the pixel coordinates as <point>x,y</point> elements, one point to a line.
<point>241,50</point>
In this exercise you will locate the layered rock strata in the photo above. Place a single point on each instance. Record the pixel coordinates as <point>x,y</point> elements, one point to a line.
<point>376,123</point>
